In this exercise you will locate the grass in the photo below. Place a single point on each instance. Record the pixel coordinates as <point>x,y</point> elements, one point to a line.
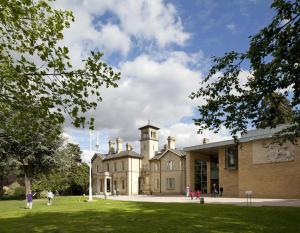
<point>71,214</point>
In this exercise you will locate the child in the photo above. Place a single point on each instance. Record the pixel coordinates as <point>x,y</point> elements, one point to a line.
<point>198,194</point>
<point>29,197</point>
<point>192,195</point>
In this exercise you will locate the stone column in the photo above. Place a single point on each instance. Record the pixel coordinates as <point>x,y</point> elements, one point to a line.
<point>105,186</point>
<point>208,176</point>
<point>188,170</point>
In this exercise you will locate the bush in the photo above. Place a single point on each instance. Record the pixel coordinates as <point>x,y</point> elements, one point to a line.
<point>19,192</point>
<point>42,194</point>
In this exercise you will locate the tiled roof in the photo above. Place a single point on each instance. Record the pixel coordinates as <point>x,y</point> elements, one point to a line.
<point>180,153</point>
<point>122,154</point>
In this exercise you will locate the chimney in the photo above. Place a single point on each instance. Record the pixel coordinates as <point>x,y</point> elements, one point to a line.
<point>171,142</point>
<point>165,147</point>
<point>111,147</point>
<point>119,145</point>
<point>205,140</point>
<point>128,147</point>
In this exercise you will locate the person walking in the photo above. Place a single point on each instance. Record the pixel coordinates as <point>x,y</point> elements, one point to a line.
<point>221,191</point>
<point>192,195</point>
<point>50,196</point>
<point>29,198</point>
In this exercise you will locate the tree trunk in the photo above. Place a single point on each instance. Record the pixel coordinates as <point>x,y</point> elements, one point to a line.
<point>1,185</point>
<point>27,184</point>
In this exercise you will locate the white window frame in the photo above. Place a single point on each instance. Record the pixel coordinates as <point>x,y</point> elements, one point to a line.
<point>170,165</point>
<point>170,183</point>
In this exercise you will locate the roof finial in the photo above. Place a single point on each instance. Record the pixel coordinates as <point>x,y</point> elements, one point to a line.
<point>148,122</point>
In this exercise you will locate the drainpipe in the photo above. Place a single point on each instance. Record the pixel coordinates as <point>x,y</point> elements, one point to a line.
<point>160,176</point>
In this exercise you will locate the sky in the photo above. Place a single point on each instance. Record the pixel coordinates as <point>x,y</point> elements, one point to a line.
<point>163,50</point>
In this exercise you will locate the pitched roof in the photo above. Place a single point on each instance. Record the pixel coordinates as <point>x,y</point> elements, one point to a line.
<point>148,126</point>
<point>179,153</point>
<point>122,154</point>
<point>101,156</point>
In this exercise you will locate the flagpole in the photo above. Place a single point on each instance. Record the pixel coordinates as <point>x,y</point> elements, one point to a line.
<point>90,178</point>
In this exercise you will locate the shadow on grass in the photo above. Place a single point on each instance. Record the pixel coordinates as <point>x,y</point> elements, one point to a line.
<point>113,216</point>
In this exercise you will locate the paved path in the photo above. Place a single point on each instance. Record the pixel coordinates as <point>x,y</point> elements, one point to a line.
<point>209,200</point>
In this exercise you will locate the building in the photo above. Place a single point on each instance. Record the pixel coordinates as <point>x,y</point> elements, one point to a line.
<point>257,164</point>
<point>268,169</point>
<point>150,172</point>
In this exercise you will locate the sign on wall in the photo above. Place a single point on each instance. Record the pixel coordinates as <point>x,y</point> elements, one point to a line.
<point>268,152</point>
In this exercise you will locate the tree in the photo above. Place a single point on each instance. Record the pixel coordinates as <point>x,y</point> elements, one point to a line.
<point>274,64</point>
<point>69,177</point>
<point>274,108</point>
<point>30,141</point>
<point>34,66</point>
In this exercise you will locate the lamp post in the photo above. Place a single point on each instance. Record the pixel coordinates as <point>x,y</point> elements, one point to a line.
<point>90,180</point>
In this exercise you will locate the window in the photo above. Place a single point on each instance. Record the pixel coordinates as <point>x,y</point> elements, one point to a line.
<point>123,184</point>
<point>123,166</point>
<point>97,168</point>
<point>170,165</point>
<point>146,135</point>
<point>170,183</point>
<point>231,157</point>
<point>107,167</point>
<point>115,166</point>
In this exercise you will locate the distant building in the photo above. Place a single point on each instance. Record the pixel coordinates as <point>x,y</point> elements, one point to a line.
<point>257,165</point>
<point>150,172</point>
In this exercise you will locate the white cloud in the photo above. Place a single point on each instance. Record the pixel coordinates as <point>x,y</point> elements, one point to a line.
<point>139,19</point>
<point>112,38</point>
<point>186,135</point>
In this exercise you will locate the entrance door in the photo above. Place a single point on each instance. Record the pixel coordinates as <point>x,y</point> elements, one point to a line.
<point>201,175</point>
<point>108,185</point>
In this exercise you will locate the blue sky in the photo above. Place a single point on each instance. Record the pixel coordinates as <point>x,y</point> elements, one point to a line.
<point>163,50</point>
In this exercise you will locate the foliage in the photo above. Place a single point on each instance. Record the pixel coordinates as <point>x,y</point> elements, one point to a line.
<point>30,141</point>
<point>35,68</point>
<point>69,177</point>
<point>79,177</point>
<point>274,64</point>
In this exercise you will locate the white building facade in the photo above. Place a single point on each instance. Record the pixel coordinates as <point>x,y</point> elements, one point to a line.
<point>151,171</point>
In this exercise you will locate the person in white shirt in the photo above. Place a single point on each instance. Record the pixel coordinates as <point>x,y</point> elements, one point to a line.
<point>50,196</point>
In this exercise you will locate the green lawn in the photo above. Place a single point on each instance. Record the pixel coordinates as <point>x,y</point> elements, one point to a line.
<point>70,214</point>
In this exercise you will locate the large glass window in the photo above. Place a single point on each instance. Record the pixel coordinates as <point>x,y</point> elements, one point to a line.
<point>201,175</point>
<point>231,157</point>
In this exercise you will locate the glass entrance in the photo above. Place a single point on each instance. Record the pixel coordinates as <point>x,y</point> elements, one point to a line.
<point>201,175</point>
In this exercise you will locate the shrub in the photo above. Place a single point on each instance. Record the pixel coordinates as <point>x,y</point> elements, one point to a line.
<point>19,192</point>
